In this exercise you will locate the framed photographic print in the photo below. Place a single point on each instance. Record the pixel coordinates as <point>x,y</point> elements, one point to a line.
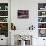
<point>23,13</point>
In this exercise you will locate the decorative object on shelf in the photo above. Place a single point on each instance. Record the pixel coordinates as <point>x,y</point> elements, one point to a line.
<point>6,7</point>
<point>42,32</point>
<point>3,6</point>
<point>4,26</point>
<point>23,14</point>
<point>13,27</point>
<point>41,19</point>
<point>0,7</point>
<point>41,6</point>
<point>4,29</point>
<point>3,13</point>
<point>3,19</point>
<point>43,13</point>
<point>31,27</point>
<point>40,25</point>
<point>45,7</point>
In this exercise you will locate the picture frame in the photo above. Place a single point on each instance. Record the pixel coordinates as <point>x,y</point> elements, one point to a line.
<point>23,14</point>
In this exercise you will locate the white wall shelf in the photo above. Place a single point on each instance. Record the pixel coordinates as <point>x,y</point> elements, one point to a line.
<point>7,16</point>
<point>41,19</point>
<point>3,22</point>
<point>42,16</point>
<point>41,22</point>
<point>42,10</point>
<point>3,16</point>
<point>41,28</point>
<point>3,10</point>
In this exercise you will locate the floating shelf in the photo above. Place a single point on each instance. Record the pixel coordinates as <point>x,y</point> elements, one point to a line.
<point>42,16</point>
<point>41,22</point>
<point>3,16</point>
<point>42,19</point>
<point>3,10</point>
<point>41,28</point>
<point>41,10</point>
<point>3,22</point>
<point>4,19</point>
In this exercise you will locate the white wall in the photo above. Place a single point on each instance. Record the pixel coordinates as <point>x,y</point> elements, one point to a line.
<point>23,24</point>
